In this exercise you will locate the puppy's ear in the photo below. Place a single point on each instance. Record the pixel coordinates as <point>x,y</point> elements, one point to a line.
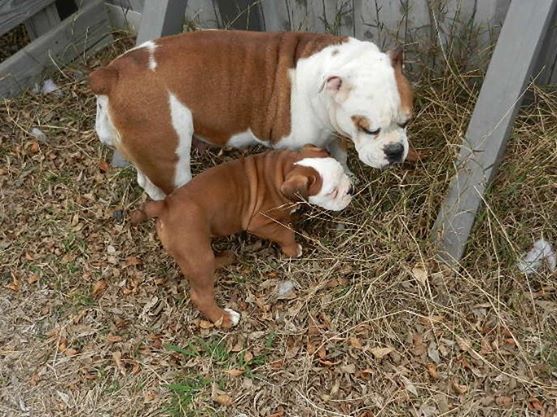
<point>296,186</point>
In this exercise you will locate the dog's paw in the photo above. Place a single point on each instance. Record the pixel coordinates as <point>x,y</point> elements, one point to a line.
<point>292,251</point>
<point>232,319</point>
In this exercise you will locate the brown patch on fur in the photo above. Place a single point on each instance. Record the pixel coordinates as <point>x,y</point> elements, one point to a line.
<point>361,122</point>
<point>231,81</point>
<point>403,85</point>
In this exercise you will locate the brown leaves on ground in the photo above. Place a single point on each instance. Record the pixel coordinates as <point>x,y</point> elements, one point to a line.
<point>367,322</point>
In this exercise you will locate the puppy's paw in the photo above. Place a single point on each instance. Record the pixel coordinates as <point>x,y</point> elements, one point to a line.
<point>231,319</point>
<point>294,251</point>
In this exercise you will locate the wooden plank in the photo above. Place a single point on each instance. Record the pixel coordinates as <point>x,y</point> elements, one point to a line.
<point>275,15</point>
<point>490,126</point>
<point>42,21</point>
<point>14,12</point>
<point>202,14</point>
<point>85,30</point>
<point>546,67</point>
<point>241,14</point>
<point>160,18</point>
<point>121,18</point>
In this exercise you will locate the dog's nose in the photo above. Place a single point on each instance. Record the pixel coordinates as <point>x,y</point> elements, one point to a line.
<point>394,152</point>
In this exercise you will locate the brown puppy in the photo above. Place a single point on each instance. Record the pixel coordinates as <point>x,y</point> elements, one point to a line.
<point>255,194</point>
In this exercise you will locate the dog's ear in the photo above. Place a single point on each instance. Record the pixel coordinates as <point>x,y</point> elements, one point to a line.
<point>336,87</point>
<point>397,57</point>
<point>331,84</point>
<point>297,185</point>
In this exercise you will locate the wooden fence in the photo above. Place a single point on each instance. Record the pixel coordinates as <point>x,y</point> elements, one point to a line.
<point>60,31</point>
<point>427,28</point>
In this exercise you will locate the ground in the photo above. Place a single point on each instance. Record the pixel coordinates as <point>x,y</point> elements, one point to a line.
<point>95,319</point>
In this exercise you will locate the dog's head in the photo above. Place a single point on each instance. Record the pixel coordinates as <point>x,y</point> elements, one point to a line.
<point>370,101</point>
<point>319,179</point>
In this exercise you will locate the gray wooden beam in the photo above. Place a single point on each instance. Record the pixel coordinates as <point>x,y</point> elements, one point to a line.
<point>161,18</point>
<point>241,14</point>
<point>42,22</point>
<point>14,12</point>
<point>85,30</point>
<point>509,71</point>
<point>546,66</point>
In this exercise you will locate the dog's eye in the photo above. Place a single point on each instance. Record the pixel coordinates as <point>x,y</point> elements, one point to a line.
<point>371,132</point>
<point>403,125</point>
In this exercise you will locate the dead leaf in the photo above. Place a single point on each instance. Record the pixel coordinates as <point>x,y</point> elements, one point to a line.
<point>460,389</point>
<point>278,413</point>
<point>380,353</point>
<point>117,357</point>
<point>535,404</point>
<point>113,338</point>
<point>276,365</point>
<point>349,369</point>
<point>33,278</point>
<point>504,401</point>
<point>133,261</point>
<point>464,344</point>
<point>15,285</point>
<point>248,356</point>
<point>223,399</point>
<point>355,343</point>
<point>409,386</point>
<point>420,274</point>
<point>103,166</point>
<point>419,345</point>
<point>432,370</point>
<point>99,288</point>
<point>35,148</point>
<point>235,372</point>
<point>433,353</point>
<point>204,324</point>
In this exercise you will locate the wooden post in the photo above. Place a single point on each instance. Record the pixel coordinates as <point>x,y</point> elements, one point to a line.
<point>241,14</point>
<point>509,71</point>
<point>160,18</point>
<point>85,30</point>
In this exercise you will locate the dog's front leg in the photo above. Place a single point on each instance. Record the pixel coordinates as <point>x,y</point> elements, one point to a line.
<point>282,235</point>
<point>338,150</point>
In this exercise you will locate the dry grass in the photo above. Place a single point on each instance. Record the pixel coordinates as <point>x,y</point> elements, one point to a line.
<point>96,320</point>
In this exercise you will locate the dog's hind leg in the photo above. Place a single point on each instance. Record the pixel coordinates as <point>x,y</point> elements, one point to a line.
<point>197,262</point>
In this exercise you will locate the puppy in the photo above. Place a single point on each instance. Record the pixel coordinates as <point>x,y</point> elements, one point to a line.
<point>257,194</point>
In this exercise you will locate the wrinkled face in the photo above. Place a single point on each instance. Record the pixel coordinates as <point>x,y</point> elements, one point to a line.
<point>335,191</point>
<point>372,105</point>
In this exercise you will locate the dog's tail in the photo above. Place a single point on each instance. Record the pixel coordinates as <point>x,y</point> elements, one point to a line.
<point>149,210</point>
<point>102,81</point>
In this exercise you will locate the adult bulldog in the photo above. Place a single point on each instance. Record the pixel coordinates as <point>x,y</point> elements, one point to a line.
<point>237,88</point>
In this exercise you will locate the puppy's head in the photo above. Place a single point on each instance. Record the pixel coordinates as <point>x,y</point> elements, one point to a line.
<point>320,180</point>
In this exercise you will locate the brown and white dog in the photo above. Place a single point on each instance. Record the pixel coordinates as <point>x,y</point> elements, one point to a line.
<point>237,88</point>
<point>256,194</point>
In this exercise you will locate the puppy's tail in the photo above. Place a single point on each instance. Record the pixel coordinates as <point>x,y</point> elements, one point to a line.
<point>149,210</point>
